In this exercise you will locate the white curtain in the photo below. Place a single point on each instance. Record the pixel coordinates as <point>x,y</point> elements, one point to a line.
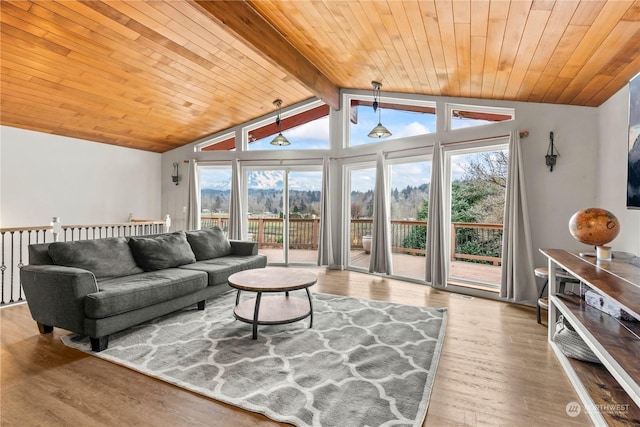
<point>236,224</point>
<point>193,197</point>
<point>436,238</point>
<point>380,261</point>
<point>518,281</point>
<point>325,247</point>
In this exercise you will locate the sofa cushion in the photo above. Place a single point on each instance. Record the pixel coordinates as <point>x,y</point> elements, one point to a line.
<point>161,251</point>
<point>123,294</point>
<point>219,269</point>
<point>208,244</point>
<point>110,257</point>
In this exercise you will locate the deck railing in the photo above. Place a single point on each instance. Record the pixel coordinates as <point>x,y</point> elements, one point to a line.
<point>14,243</point>
<point>474,242</point>
<point>469,241</point>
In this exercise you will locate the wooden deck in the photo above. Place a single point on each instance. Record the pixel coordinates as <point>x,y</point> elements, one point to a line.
<point>404,265</point>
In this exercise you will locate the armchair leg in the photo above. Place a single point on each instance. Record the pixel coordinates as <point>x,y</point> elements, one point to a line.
<point>201,304</point>
<point>100,343</point>
<point>44,329</point>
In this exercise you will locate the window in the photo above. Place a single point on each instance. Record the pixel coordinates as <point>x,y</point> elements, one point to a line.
<point>361,184</point>
<point>475,182</point>
<point>402,120</point>
<point>226,142</point>
<point>308,129</point>
<point>215,194</point>
<point>409,201</point>
<point>465,116</point>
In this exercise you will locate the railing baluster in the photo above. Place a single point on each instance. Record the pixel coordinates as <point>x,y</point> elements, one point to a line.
<point>20,265</point>
<point>11,269</point>
<point>3,267</point>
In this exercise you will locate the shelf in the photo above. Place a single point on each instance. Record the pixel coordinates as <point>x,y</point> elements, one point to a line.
<point>611,339</point>
<point>610,392</point>
<point>612,401</point>
<point>274,310</point>
<point>619,280</point>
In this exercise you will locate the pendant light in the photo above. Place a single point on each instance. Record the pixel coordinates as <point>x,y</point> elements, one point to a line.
<point>280,139</point>
<point>379,131</point>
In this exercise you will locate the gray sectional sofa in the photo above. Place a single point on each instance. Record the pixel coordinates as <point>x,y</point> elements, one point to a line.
<point>98,287</point>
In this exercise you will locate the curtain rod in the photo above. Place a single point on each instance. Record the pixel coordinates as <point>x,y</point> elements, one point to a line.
<point>280,160</point>
<point>523,134</point>
<point>384,152</point>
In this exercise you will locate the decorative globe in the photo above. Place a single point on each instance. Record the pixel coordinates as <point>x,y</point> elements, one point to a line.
<point>594,226</point>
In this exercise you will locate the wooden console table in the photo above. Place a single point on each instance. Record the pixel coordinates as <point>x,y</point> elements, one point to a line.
<point>610,392</point>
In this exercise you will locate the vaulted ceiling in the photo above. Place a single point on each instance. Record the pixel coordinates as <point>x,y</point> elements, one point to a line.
<point>160,74</point>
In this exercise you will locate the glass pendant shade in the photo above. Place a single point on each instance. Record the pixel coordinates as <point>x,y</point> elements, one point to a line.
<point>379,132</point>
<point>280,140</point>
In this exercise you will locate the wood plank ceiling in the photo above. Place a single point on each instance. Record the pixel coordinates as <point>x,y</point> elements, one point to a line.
<point>160,74</point>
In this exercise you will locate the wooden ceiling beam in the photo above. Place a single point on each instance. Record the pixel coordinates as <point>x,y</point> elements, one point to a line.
<point>243,20</point>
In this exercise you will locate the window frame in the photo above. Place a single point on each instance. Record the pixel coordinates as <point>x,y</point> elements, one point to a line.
<point>202,146</point>
<point>451,107</point>
<point>384,100</point>
<point>284,114</point>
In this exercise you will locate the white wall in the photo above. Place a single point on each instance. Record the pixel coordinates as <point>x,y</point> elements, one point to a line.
<point>613,134</point>
<point>43,175</point>
<point>553,197</point>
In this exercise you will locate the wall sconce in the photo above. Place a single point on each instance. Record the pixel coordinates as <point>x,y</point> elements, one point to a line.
<point>552,154</point>
<point>175,177</point>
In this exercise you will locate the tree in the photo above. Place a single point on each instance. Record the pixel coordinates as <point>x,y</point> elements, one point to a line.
<point>489,166</point>
<point>482,189</point>
<point>417,237</point>
<point>356,210</point>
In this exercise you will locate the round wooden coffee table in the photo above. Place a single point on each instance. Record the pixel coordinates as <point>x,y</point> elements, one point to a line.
<point>276,309</point>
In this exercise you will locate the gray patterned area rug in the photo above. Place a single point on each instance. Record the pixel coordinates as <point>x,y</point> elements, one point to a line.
<point>364,363</point>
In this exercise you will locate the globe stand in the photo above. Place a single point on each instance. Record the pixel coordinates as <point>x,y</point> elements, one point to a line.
<point>591,254</point>
<point>603,253</point>
<point>600,253</point>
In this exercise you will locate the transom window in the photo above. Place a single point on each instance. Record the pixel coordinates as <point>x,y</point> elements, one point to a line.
<point>402,120</point>
<point>307,129</point>
<point>465,116</point>
<point>226,142</point>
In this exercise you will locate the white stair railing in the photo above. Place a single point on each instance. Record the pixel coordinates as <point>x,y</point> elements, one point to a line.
<point>15,241</point>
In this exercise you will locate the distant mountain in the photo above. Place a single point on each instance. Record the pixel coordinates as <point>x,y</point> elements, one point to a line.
<point>265,180</point>
<point>220,179</point>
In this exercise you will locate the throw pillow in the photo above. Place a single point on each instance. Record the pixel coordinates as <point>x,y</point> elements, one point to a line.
<point>162,251</point>
<point>105,258</point>
<point>208,244</point>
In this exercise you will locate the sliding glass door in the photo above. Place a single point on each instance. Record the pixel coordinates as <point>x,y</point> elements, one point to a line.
<point>475,180</point>
<point>215,196</point>
<point>408,198</point>
<point>283,209</point>
<point>409,202</point>
<point>361,181</point>
<point>303,219</point>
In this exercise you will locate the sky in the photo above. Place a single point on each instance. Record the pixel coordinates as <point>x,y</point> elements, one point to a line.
<point>315,135</point>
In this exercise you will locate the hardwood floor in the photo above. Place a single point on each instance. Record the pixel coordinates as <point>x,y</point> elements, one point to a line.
<point>496,369</point>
